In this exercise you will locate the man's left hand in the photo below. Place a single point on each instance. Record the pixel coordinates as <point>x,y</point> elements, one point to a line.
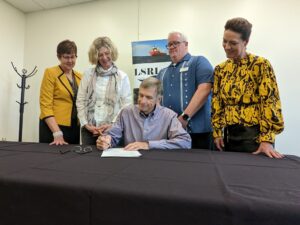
<point>267,149</point>
<point>137,146</point>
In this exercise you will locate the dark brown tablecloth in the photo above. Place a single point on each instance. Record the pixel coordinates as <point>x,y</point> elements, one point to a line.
<point>41,186</point>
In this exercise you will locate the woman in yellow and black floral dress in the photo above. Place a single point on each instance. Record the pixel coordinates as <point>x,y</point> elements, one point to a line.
<point>246,108</point>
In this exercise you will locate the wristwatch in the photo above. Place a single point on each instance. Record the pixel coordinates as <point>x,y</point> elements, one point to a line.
<point>185,117</point>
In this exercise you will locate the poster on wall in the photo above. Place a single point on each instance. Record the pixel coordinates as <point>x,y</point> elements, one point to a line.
<point>148,58</point>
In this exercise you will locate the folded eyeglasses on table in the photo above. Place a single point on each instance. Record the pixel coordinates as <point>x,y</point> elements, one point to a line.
<point>77,149</point>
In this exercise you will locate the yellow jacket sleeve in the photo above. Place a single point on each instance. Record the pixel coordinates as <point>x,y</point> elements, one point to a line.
<point>271,121</point>
<point>46,95</point>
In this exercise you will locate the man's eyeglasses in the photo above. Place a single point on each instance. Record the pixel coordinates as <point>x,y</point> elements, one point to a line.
<point>173,44</point>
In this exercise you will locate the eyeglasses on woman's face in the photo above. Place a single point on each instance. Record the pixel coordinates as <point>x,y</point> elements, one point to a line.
<point>69,56</point>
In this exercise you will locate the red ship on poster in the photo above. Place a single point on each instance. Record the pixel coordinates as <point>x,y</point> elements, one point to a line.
<point>156,52</point>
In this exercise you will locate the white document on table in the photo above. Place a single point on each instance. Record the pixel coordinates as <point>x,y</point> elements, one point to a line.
<point>119,152</point>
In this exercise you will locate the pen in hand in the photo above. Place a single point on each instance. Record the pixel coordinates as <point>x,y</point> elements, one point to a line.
<point>104,142</point>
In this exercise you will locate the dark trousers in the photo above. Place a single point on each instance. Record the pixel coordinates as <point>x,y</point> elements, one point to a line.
<point>71,133</point>
<point>202,140</point>
<point>239,138</point>
<point>87,137</point>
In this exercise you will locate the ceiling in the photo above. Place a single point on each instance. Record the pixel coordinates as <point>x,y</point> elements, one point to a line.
<point>28,6</point>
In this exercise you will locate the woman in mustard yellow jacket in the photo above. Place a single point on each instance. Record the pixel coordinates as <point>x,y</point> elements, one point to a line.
<point>58,119</point>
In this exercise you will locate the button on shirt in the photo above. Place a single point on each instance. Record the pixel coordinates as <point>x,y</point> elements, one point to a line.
<point>180,82</point>
<point>161,128</point>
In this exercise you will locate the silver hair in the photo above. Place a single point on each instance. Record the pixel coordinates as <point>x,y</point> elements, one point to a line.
<point>152,82</point>
<point>182,36</point>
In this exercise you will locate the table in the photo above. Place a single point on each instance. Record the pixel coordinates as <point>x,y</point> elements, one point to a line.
<point>41,186</point>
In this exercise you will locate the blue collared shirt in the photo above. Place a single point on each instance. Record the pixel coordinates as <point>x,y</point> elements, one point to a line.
<point>180,82</point>
<point>161,128</point>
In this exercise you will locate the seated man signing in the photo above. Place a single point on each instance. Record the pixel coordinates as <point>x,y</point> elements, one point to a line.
<point>146,125</point>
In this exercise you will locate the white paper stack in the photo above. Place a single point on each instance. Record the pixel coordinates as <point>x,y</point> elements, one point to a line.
<point>120,152</point>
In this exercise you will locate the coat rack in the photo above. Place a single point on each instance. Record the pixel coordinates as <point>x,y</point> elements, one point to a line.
<point>23,86</point>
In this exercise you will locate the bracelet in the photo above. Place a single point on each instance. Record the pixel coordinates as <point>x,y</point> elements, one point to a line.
<point>57,134</point>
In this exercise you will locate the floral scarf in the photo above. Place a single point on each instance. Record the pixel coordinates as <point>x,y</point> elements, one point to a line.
<point>111,93</point>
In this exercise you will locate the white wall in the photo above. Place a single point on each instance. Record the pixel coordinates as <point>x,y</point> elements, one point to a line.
<point>12,30</point>
<point>82,24</point>
<point>275,36</point>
